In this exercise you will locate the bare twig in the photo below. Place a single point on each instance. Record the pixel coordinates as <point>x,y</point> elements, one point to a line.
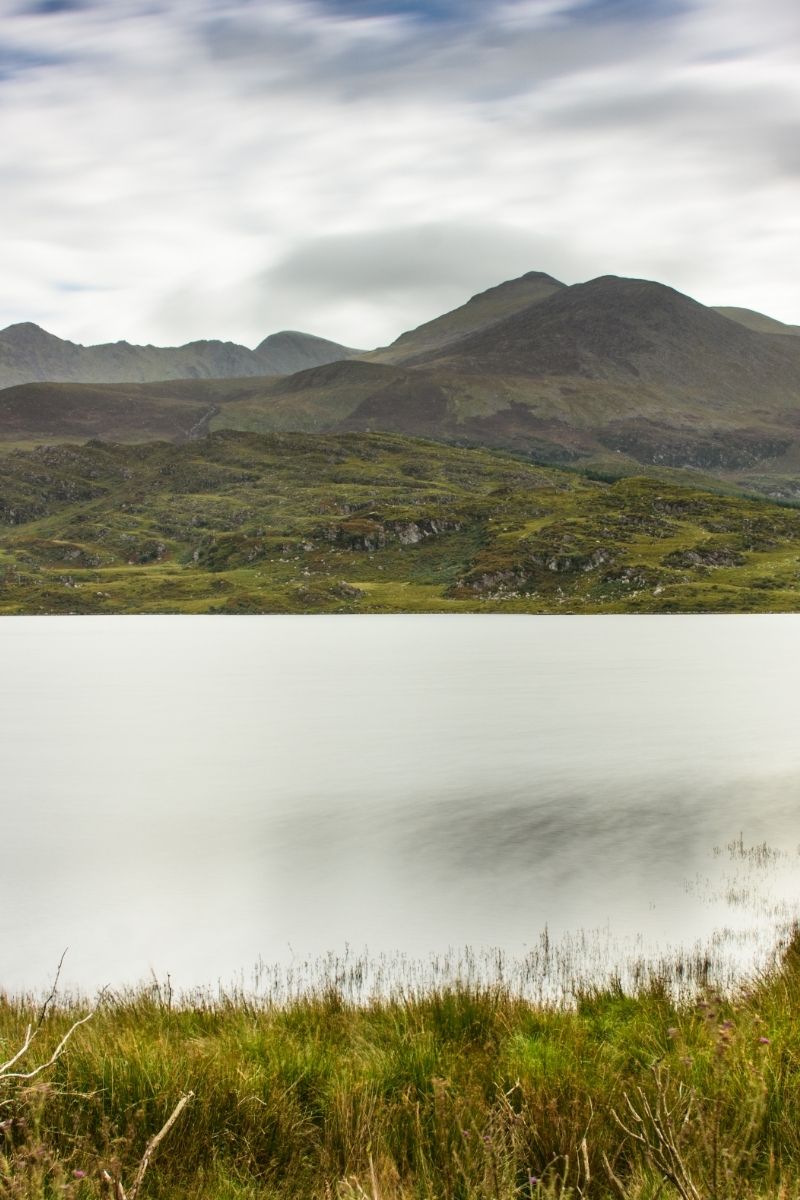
<point>12,1062</point>
<point>614,1178</point>
<point>656,1132</point>
<point>52,995</point>
<point>29,1036</point>
<point>32,1030</point>
<point>152,1145</point>
<point>117,1190</point>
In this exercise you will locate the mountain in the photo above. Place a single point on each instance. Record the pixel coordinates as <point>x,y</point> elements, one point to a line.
<point>286,352</point>
<point>30,354</point>
<point>758,321</point>
<point>618,376</point>
<point>617,372</point>
<point>632,331</point>
<point>480,312</point>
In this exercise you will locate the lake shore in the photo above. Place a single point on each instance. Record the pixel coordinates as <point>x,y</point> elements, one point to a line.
<point>458,1091</point>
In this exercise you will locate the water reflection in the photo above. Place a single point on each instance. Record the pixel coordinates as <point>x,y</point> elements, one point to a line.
<point>190,795</point>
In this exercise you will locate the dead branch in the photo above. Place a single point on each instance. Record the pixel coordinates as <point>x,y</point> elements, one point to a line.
<point>655,1129</point>
<point>32,1031</point>
<point>117,1190</point>
<point>12,1062</point>
<point>53,993</point>
<point>6,1073</point>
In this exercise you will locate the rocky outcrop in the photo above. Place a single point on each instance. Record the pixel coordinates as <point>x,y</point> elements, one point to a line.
<point>371,533</point>
<point>705,556</point>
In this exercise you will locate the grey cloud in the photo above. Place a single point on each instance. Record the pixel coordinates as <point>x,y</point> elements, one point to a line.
<point>626,10</point>
<point>439,256</point>
<point>167,150</point>
<point>408,274</point>
<point>781,152</point>
<point>46,8</point>
<point>421,10</point>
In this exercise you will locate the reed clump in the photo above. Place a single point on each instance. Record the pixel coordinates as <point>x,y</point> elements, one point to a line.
<point>460,1092</point>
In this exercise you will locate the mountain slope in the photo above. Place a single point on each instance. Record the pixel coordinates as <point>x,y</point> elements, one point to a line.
<point>29,354</point>
<point>289,351</point>
<point>757,321</point>
<point>633,330</point>
<point>480,312</point>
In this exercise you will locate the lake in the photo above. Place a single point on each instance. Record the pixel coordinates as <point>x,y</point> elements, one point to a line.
<point>197,795</point>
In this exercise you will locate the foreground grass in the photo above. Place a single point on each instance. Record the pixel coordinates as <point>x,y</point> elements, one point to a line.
<point>377,523</point>
<point>463,1092</point>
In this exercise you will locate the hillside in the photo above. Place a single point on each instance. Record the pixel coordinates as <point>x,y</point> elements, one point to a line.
<point>758,321</point>
<point>632,330</point>
<point>373,523</point>
<point>479,313</point>
<point>617,375</point>
<point>30,354</point>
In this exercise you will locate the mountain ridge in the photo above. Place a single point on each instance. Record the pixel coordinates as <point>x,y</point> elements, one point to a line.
<point>30,354</point>
<point>615,374</point>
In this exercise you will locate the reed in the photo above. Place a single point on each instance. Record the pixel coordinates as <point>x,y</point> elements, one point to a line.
<point>464,1090</point>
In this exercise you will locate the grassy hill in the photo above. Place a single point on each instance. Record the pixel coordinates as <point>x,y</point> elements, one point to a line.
<point>242,522</point>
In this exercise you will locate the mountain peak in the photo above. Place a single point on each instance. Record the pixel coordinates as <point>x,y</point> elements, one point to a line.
<point>534,284</point>
<point>289,351</point>
<point>480,312</point>
<point>542,275</point>
<point>27,333</point>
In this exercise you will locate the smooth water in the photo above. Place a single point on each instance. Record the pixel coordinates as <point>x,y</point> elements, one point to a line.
<point>194,794</point>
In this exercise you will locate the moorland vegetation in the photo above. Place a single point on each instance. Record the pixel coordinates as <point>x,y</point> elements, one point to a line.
<point>375,523</point>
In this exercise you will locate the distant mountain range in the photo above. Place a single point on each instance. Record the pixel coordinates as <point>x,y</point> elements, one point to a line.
<point>28,354</point>
<point>614,375</point>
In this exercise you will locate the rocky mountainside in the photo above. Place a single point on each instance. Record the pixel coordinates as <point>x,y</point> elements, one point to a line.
<point>30,354</point>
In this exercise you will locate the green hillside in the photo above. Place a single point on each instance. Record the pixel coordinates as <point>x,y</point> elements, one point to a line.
<point>243,522</point>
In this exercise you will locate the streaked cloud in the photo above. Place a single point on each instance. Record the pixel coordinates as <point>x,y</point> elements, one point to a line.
<point>190,168</point>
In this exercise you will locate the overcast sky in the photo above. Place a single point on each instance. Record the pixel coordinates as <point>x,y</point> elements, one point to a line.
<point>177,169</point>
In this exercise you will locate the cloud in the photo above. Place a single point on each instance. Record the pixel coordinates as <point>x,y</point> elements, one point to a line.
<point>224,168</point>
<point>422,269</point>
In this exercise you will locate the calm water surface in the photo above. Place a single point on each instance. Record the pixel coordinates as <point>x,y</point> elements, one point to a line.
<point>190,795</point>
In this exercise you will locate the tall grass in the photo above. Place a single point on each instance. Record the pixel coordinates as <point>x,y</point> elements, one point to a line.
<point>465,1091</point>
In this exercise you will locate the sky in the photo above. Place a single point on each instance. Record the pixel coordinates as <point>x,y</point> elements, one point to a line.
<point>181,169</point>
